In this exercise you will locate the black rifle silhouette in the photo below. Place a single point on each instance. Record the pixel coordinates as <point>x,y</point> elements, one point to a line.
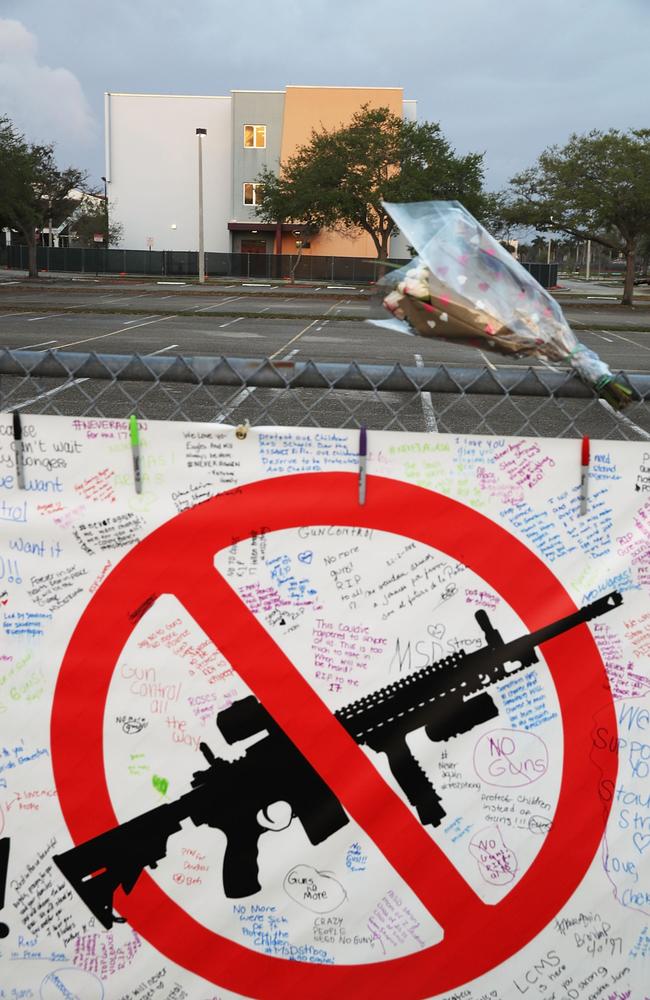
<point>445,698</point>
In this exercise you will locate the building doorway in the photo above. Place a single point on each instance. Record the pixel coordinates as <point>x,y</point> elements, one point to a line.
<point>253,246</point>
<point>254,261</point>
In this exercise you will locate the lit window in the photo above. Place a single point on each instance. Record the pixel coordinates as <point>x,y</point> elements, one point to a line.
<point>255,136</point>
<point>252,194</point>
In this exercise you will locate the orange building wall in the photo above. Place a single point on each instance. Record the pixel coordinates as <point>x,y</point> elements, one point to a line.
<point>309,108</point>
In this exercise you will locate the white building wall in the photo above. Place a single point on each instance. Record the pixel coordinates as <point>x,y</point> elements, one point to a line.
<point>399,245</point>
<point>152,169</point>
<point>410,110</point>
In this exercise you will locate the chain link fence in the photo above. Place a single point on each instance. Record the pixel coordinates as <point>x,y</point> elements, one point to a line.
<point>445,398</point>
<point>185,263</point>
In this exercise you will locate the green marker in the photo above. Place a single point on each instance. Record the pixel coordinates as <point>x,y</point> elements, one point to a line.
<point>135,451</point>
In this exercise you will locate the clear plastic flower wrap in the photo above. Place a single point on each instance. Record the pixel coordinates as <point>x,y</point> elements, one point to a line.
<point>464,286</point>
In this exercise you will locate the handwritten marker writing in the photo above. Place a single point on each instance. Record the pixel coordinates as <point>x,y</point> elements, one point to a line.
<point>584,476</point>
<point>363,458</point>
<point>135,451</point>
<point>18,450</point>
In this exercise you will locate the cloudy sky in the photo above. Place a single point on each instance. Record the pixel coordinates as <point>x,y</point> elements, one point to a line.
<point>504,77</point>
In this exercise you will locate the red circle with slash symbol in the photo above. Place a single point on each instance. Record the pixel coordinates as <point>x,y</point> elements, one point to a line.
<point>178,558</point>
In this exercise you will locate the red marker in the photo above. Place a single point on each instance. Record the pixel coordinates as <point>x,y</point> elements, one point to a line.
<point>584,475</point>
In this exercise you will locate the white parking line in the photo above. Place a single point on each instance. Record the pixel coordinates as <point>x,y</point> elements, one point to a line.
<point>594,334</point>
<point>113,333</point>
<point>5,315</point>
<point>230,322</point>
<point>293,339</point>
<point>487,361</point>
<point>619,336</point>
<point>244,394</point>
<point>37,319</point>
<point>428,412</point>
<point>215,305</point>
<point>78,381</point>
<point>51,392</point>
<point>625,420</point>
<point>150,316</point>
<point>32,347</point>
<point>161,351</point>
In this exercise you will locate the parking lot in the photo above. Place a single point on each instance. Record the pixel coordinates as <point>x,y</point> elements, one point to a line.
<point>284,324</point>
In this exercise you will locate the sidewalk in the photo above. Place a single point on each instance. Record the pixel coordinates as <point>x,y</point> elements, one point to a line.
<point>191,282</point>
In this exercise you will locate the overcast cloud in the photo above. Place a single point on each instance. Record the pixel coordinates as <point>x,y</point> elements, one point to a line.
<point>504,77</point>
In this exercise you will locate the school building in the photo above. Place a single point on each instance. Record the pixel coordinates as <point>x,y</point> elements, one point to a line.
<point>152,157</point>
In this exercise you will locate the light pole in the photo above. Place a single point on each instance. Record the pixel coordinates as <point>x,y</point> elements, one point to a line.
<point>105,214</point>
<point>550,244</point>
<point>200,132</point>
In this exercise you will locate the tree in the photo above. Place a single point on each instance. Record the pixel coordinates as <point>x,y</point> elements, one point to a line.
<point>596,188</point>
<point>33,190</point>
<point>90,218</point>
<point>340,178</point>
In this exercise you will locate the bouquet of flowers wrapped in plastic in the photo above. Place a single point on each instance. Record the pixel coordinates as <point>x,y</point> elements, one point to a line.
<point>464,286</point>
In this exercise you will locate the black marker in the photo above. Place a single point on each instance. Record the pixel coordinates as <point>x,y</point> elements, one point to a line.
<point>18,451</point>
<point>363,459</point>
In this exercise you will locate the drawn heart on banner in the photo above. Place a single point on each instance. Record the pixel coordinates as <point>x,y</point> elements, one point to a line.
<point>641,841</point>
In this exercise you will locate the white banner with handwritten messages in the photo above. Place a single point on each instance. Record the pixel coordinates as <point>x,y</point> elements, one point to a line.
<point>262,736</point>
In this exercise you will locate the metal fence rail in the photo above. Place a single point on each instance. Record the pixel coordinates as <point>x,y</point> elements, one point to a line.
<point>516,400</point>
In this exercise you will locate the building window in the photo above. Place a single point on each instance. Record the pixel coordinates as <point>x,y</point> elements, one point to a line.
<point>255,136</point>
<point>252,194</point>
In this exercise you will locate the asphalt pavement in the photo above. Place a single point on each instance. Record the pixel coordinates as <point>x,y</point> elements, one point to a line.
<point>283,324</point>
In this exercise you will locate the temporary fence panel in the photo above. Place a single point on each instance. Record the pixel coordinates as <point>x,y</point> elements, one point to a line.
<point>300,267</point>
